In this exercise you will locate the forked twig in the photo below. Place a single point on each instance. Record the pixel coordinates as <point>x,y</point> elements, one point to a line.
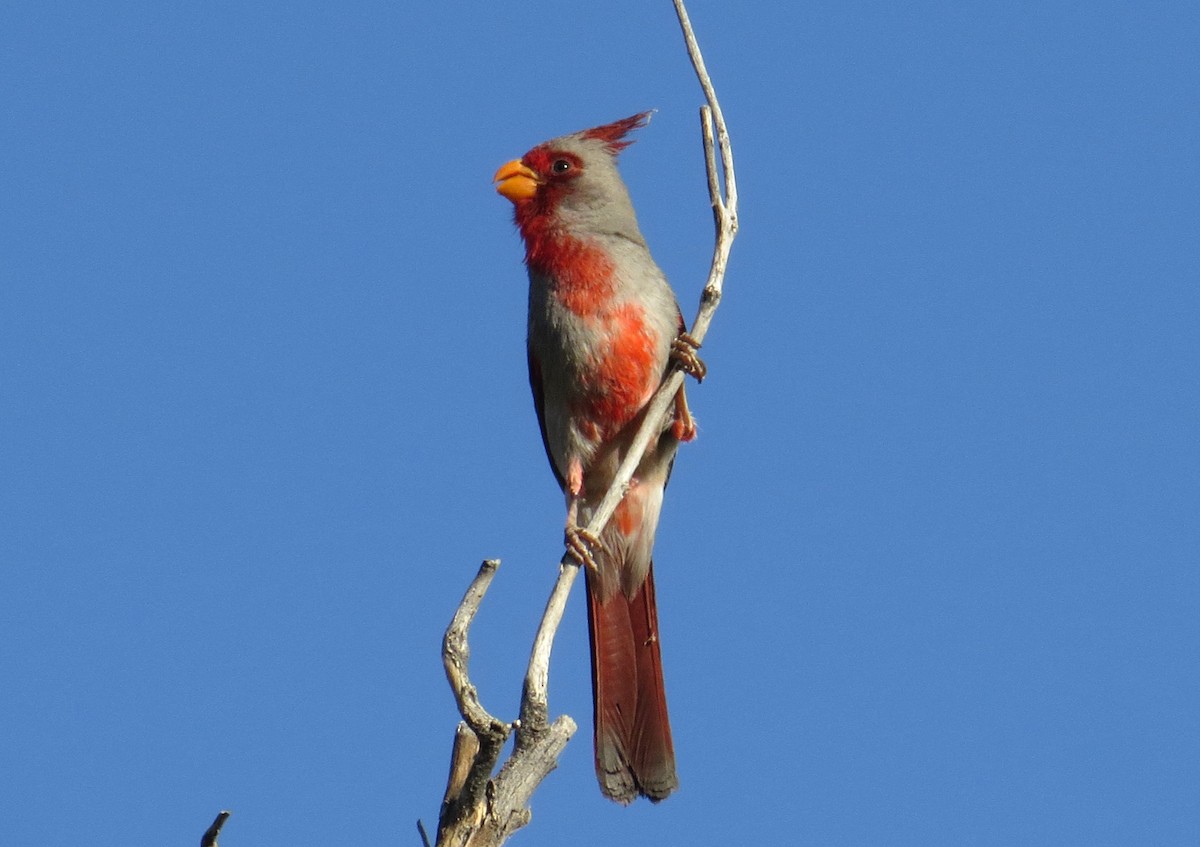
<point>724,204</point>
<point>477,809</point>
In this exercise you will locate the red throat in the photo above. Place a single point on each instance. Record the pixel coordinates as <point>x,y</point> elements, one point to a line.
<point>582,273</point>
<point>624,372</point>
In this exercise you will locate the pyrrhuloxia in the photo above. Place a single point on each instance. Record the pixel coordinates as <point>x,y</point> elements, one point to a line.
<point>603,328</point>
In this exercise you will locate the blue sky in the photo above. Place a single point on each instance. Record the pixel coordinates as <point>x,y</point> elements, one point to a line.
<point>928,576</point>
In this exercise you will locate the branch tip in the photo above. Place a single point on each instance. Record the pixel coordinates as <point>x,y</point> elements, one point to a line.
<point>209,839</point>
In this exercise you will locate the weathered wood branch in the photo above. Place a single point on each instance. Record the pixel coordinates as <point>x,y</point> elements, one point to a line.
<point>209,839</point>
<point>478,809</point>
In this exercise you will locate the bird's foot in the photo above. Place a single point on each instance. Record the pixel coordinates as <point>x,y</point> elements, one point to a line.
<point>683,352</point>
<point>582,546</point>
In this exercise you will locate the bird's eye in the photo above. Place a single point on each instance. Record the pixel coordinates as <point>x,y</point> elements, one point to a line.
<point>560,166</point>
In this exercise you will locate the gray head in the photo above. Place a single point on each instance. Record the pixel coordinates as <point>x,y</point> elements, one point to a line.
<point>572,182</point>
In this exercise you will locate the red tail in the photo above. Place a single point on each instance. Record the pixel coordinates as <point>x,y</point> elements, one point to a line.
<point>634,753</point>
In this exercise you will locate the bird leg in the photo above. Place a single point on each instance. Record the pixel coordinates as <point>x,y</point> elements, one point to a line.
<point>582,545</point>
<point>683,427</point>
<point>683,353</point>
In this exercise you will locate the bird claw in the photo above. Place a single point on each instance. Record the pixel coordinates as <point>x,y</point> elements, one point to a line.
<point>683,353</point>
<point>683,425</point>
<point>582,546</point>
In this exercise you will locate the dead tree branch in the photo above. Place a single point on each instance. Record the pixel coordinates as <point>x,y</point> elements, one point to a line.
<point>209,839</point>
<point>481,811</point>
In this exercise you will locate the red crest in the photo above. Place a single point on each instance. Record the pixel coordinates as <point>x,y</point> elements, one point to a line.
<point>613,133</point>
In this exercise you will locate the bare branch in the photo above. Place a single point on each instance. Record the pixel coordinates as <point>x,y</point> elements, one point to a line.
<point>462,757</point>
<point>725,206</point>
<point>479,810</point>
<point>725,217</point>
<point>209,839</point>
<point>456,653</point>
<point>534,706</point>
<point>725,213</point>
<point>480,737</point>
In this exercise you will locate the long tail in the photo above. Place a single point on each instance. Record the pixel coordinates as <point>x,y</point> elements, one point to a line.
<point>634,753</point>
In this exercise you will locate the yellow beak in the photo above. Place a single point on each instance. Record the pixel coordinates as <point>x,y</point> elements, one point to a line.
<point>515,181</point>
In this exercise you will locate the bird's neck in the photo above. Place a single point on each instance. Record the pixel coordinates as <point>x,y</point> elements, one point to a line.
<point>580,273</point>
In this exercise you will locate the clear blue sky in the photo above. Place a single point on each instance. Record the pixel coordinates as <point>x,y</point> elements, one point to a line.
<point>929,575</point>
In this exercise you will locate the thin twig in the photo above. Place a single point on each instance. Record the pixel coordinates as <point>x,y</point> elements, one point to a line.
<point>535,708</point>
<point>725,214</point>
<point>726,209</point>
<point>209,839</point>
<point>725,205</point>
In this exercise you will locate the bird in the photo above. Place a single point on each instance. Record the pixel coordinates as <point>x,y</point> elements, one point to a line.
<point>604,329</point>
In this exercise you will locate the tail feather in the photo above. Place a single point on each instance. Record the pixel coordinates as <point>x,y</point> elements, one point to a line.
<point>634,752</point>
